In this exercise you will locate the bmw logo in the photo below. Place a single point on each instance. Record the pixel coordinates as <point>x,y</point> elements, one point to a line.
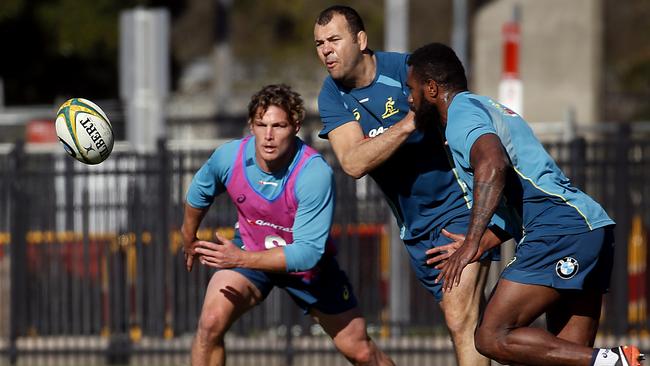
<point>566,267</point>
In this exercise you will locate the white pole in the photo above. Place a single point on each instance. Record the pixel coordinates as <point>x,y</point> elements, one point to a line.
<point>144,74</point>
<point>459,32</point>
<point>396,25</point>
<point>396,38</point>
<point>223,58</point>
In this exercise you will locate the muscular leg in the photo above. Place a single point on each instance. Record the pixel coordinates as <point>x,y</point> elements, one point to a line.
<point>348,331</point>
<point>575,317</point>
<point>229,295</point>
<point>504,335</point>
<point>461,309</point>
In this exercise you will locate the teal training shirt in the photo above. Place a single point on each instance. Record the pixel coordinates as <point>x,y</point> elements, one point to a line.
<point>543,196</point>
<point>417,181</point>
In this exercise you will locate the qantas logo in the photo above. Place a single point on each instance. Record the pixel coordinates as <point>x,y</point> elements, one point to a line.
<point>377,131</point>
<point>260,222</point>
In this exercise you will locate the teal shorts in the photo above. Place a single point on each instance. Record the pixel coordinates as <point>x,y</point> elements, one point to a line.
<point>327,291</point>
<point>426,273</point>
<point>571,262</point>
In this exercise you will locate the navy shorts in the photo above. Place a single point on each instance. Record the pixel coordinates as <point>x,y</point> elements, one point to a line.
<point>329,291</point>
<point>573,262</point>
<point>417,248</point>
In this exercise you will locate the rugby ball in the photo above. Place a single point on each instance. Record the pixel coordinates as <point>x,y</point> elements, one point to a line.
<point>84,130</point>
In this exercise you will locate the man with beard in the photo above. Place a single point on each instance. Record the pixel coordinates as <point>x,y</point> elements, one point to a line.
<point>561,266</point>
<point>364,109</point>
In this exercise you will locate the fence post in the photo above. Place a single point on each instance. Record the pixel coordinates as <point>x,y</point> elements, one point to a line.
<point>163,264</point>
<point>399,303</point>
<point>619,290</point>
<point>18,251</point>
<point>288,346</point>
<point>120,298</point>
<point>68,186</point>
<point>119,349</point>
<point>578,161</point>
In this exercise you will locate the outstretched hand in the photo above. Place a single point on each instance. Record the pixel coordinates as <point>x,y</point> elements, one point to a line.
<point>222,253</point>
<point>440,254</point>
<point>453,257</point>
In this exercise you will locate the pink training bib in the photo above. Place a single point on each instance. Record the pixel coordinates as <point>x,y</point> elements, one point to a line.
<point>263,223</point>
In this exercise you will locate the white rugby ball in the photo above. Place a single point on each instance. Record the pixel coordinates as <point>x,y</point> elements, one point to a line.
<point>84,130</point>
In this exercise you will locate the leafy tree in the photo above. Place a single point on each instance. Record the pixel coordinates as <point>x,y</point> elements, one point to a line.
<point>54,49</point>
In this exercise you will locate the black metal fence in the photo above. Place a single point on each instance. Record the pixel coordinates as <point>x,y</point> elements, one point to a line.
<point>91,265</point>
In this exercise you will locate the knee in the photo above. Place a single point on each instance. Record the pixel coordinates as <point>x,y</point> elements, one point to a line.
<point>363,353</point>
<point>490,344</point>
<point>356,346</point>
<point>484,342</point>
<point>211,328</point>
<point>461,320</point>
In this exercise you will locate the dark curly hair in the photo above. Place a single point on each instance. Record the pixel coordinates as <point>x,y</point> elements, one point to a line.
<point>436,61</point>
<point>279,95</point>
<point>355,23</point>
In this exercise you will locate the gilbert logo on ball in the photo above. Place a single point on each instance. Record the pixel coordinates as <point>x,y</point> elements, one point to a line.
<point>84,130</point>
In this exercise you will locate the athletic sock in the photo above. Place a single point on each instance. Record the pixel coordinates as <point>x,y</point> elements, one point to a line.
<point>605,357</point>
<point>626,355</point>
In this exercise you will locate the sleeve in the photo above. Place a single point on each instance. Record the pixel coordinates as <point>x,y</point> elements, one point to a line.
<point>210,180</point>
<point>467,121</point>
<point>507,219</point>
<point>316,195</point>
<point>332,108</point>
<point>465,124</point>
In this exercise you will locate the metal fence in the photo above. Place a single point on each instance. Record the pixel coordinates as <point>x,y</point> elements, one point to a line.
<point>91,266</point>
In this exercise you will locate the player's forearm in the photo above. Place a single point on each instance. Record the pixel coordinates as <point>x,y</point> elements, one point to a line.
<point>271,260</point>
<point>192,218</point>
<point>489,182</point>
<point>369,153</point>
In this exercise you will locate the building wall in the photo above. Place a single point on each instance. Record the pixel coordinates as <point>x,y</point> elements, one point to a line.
<point>560,56</point>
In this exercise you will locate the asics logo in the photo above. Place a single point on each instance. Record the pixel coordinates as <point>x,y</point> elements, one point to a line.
<point>346,293</point>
